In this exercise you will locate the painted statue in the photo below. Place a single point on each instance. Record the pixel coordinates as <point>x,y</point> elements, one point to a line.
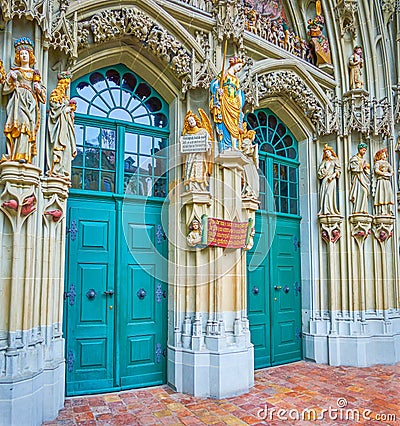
<point>197,148</point>
<point>195,235</point>
<point>356,63</point>
<point>23,83</point>
<point>62,141</point>
<point>360,182</point>
<point>2,73</point>
<point>384,196</point>
<point>328,172</point>
<point>227,101</point>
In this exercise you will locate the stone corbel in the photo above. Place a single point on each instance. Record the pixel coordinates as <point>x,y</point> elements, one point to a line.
<point>331,228</point>
<point>55,193</point>
<point>18,199</point>
<point>360,227</point>
<point>383,228</point>
<point>346,15</point>
<point>388,9</point>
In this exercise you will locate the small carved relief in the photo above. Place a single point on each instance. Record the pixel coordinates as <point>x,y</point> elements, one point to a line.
<point>23,84</point>
<point>55,214</point>
<point>384,196</point>
<point>328,173</point>
<point>195,234</point>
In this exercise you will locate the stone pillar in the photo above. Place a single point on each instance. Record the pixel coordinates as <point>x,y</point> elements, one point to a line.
<point>32,247</point>
<point>211,328</point>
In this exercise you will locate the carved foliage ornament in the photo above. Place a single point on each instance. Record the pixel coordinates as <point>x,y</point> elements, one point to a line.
<point>289,84</point>
<point>114,24</point>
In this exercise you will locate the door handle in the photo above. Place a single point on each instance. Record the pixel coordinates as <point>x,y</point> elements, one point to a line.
<point>277,287</point>
<point>109,292</point>
<point>286,289</point>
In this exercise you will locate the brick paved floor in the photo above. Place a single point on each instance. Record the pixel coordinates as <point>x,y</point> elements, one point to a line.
<point>289,388</point>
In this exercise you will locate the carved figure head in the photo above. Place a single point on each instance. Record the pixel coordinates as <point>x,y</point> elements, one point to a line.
<point>190,122</point>
<point>362,148</point>
<point>328,152</point>
<point>24,44</point>
<point>382,154</point>
<point>358,50</point>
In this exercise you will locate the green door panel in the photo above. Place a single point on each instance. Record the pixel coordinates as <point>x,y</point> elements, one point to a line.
<point>258,297</point>
<point>90,322</point>
<point>142,300</point>
<point>286,299</point>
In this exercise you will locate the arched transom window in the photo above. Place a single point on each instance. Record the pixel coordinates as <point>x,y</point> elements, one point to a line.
<point>122,128</point>
<point>278,161</point>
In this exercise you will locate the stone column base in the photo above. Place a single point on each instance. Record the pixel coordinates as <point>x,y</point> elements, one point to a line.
<point>211,374</point>
<point>357,344</point>
<point>31,401</point>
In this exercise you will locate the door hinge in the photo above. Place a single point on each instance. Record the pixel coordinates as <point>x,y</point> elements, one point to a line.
<point>160,294</point>
<point>160,234</point>
<point>296,243</point>
<point>160,352</point>
<point>297,288</point>
<point>299,334</point>
<point>70,361</point>
<point>73,230</point>
<point>71,294</point>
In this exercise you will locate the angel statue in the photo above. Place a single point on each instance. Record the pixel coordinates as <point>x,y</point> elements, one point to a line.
<point>62,142</point>
<point>197,147</point>
<point>23,83</point>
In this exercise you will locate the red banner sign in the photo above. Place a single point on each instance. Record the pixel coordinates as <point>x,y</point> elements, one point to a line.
<point>227,234</point>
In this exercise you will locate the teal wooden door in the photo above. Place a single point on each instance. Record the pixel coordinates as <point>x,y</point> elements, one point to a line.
<point>116,251</point>
<point>90,321</point>
<point>143,301</point>
<point>285,293</point>
<point>274,277</point>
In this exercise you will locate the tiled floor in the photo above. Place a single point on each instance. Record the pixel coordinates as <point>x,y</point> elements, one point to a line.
<point>289,394</point>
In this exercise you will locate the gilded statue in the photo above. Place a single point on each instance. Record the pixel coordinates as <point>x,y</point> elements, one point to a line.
<point>62,141</point>
<point>227,101</point>
<point>23,83</point>
<point>197,148</point>
<point>328,173</point>
<point>360,181</point>
<point>356,63</point>
<point>384,196</point>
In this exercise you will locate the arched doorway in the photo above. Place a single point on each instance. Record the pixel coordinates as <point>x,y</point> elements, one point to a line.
<point>115,294</point>
<point>274,300</point>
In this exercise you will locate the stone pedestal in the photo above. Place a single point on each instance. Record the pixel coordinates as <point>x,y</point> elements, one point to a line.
<point>32,238</point>
<point>212,337</point>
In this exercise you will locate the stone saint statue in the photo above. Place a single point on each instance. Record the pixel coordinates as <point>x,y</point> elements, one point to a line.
<point>23,83</point>
<point>384,196</point>
<point>328,172</point>
<point>356,63</point>
<point>227,101</point>
<point>197,148</point>
<point>62,142</point>
<point>360,182</point>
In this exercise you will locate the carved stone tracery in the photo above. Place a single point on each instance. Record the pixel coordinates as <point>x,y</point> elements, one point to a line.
<point>114,24</point>
<point>291,85</point>
<point>346,15</point>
